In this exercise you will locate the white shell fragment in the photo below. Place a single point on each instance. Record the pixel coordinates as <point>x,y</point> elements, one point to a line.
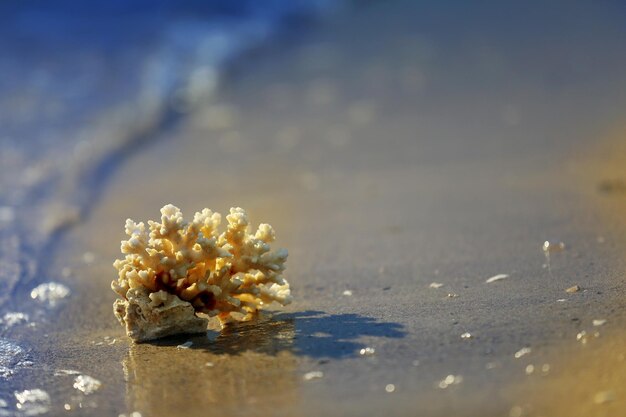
<point>583,337</point>
<point>185,345</point>
<point>64,372</point>
<point>313,375</point>
<point>552,246</point>
<point>32,402</point>
<point>13,319</point>
<point>467,336</point>
<point>390,388</point>
<point>86,384</point>
<point>367,351</point>
<point>435,285</point>
<point>133,414</point>
<point>599,322</point>
<point>50,293</point>
<point>522,352</point>
<point>450,380</point>
<point>496,278</point>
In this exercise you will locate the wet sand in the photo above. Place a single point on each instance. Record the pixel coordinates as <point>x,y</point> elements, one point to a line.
<point>589,376</point>
<point>383,170</point>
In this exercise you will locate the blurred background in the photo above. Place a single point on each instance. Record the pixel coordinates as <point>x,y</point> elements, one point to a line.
<point>84,85</point>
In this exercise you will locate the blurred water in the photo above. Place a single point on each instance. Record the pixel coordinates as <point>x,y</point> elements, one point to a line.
<point>83,83</point>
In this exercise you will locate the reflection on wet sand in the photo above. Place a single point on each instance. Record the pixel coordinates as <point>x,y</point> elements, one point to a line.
<point>246,369</point>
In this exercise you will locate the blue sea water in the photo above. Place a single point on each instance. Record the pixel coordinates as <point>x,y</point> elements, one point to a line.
<point>82,83</point>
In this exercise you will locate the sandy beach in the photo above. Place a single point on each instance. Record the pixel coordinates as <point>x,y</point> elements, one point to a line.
<point>402,168</point>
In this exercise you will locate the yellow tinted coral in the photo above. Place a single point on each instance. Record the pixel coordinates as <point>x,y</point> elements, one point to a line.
<point>175,269</point>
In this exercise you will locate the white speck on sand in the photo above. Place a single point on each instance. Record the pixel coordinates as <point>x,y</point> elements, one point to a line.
<point>185,345</point>
<point>522,352</point>
<point>390,388</point>
<point>496,278</point>
<point>467,336</point>
<point>435,285</point>
<point>450,380</point>
<point>50,293</point>
<point>347,293</point>
<point>551,246</point>
<point>86,384</point>
<point>530,369</point>
<point>63,372</point>
<point>32,402</point>
<point>313,375</point>
<point>599,322</point>
<point>209,364</point>
<point>367,351</point>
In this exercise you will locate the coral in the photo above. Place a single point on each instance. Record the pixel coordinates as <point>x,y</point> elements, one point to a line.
<point>175,269</point>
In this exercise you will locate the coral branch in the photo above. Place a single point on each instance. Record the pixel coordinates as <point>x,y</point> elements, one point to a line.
<point>177,269</point>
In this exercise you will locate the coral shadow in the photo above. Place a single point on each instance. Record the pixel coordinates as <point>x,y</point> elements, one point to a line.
<point>337,335</point>
<point>307,333</point>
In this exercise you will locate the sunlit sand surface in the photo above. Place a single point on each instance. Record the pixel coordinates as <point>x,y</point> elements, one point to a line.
<point>415,174</point>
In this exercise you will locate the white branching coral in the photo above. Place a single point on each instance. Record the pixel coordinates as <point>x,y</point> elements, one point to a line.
<point>175,269</point>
